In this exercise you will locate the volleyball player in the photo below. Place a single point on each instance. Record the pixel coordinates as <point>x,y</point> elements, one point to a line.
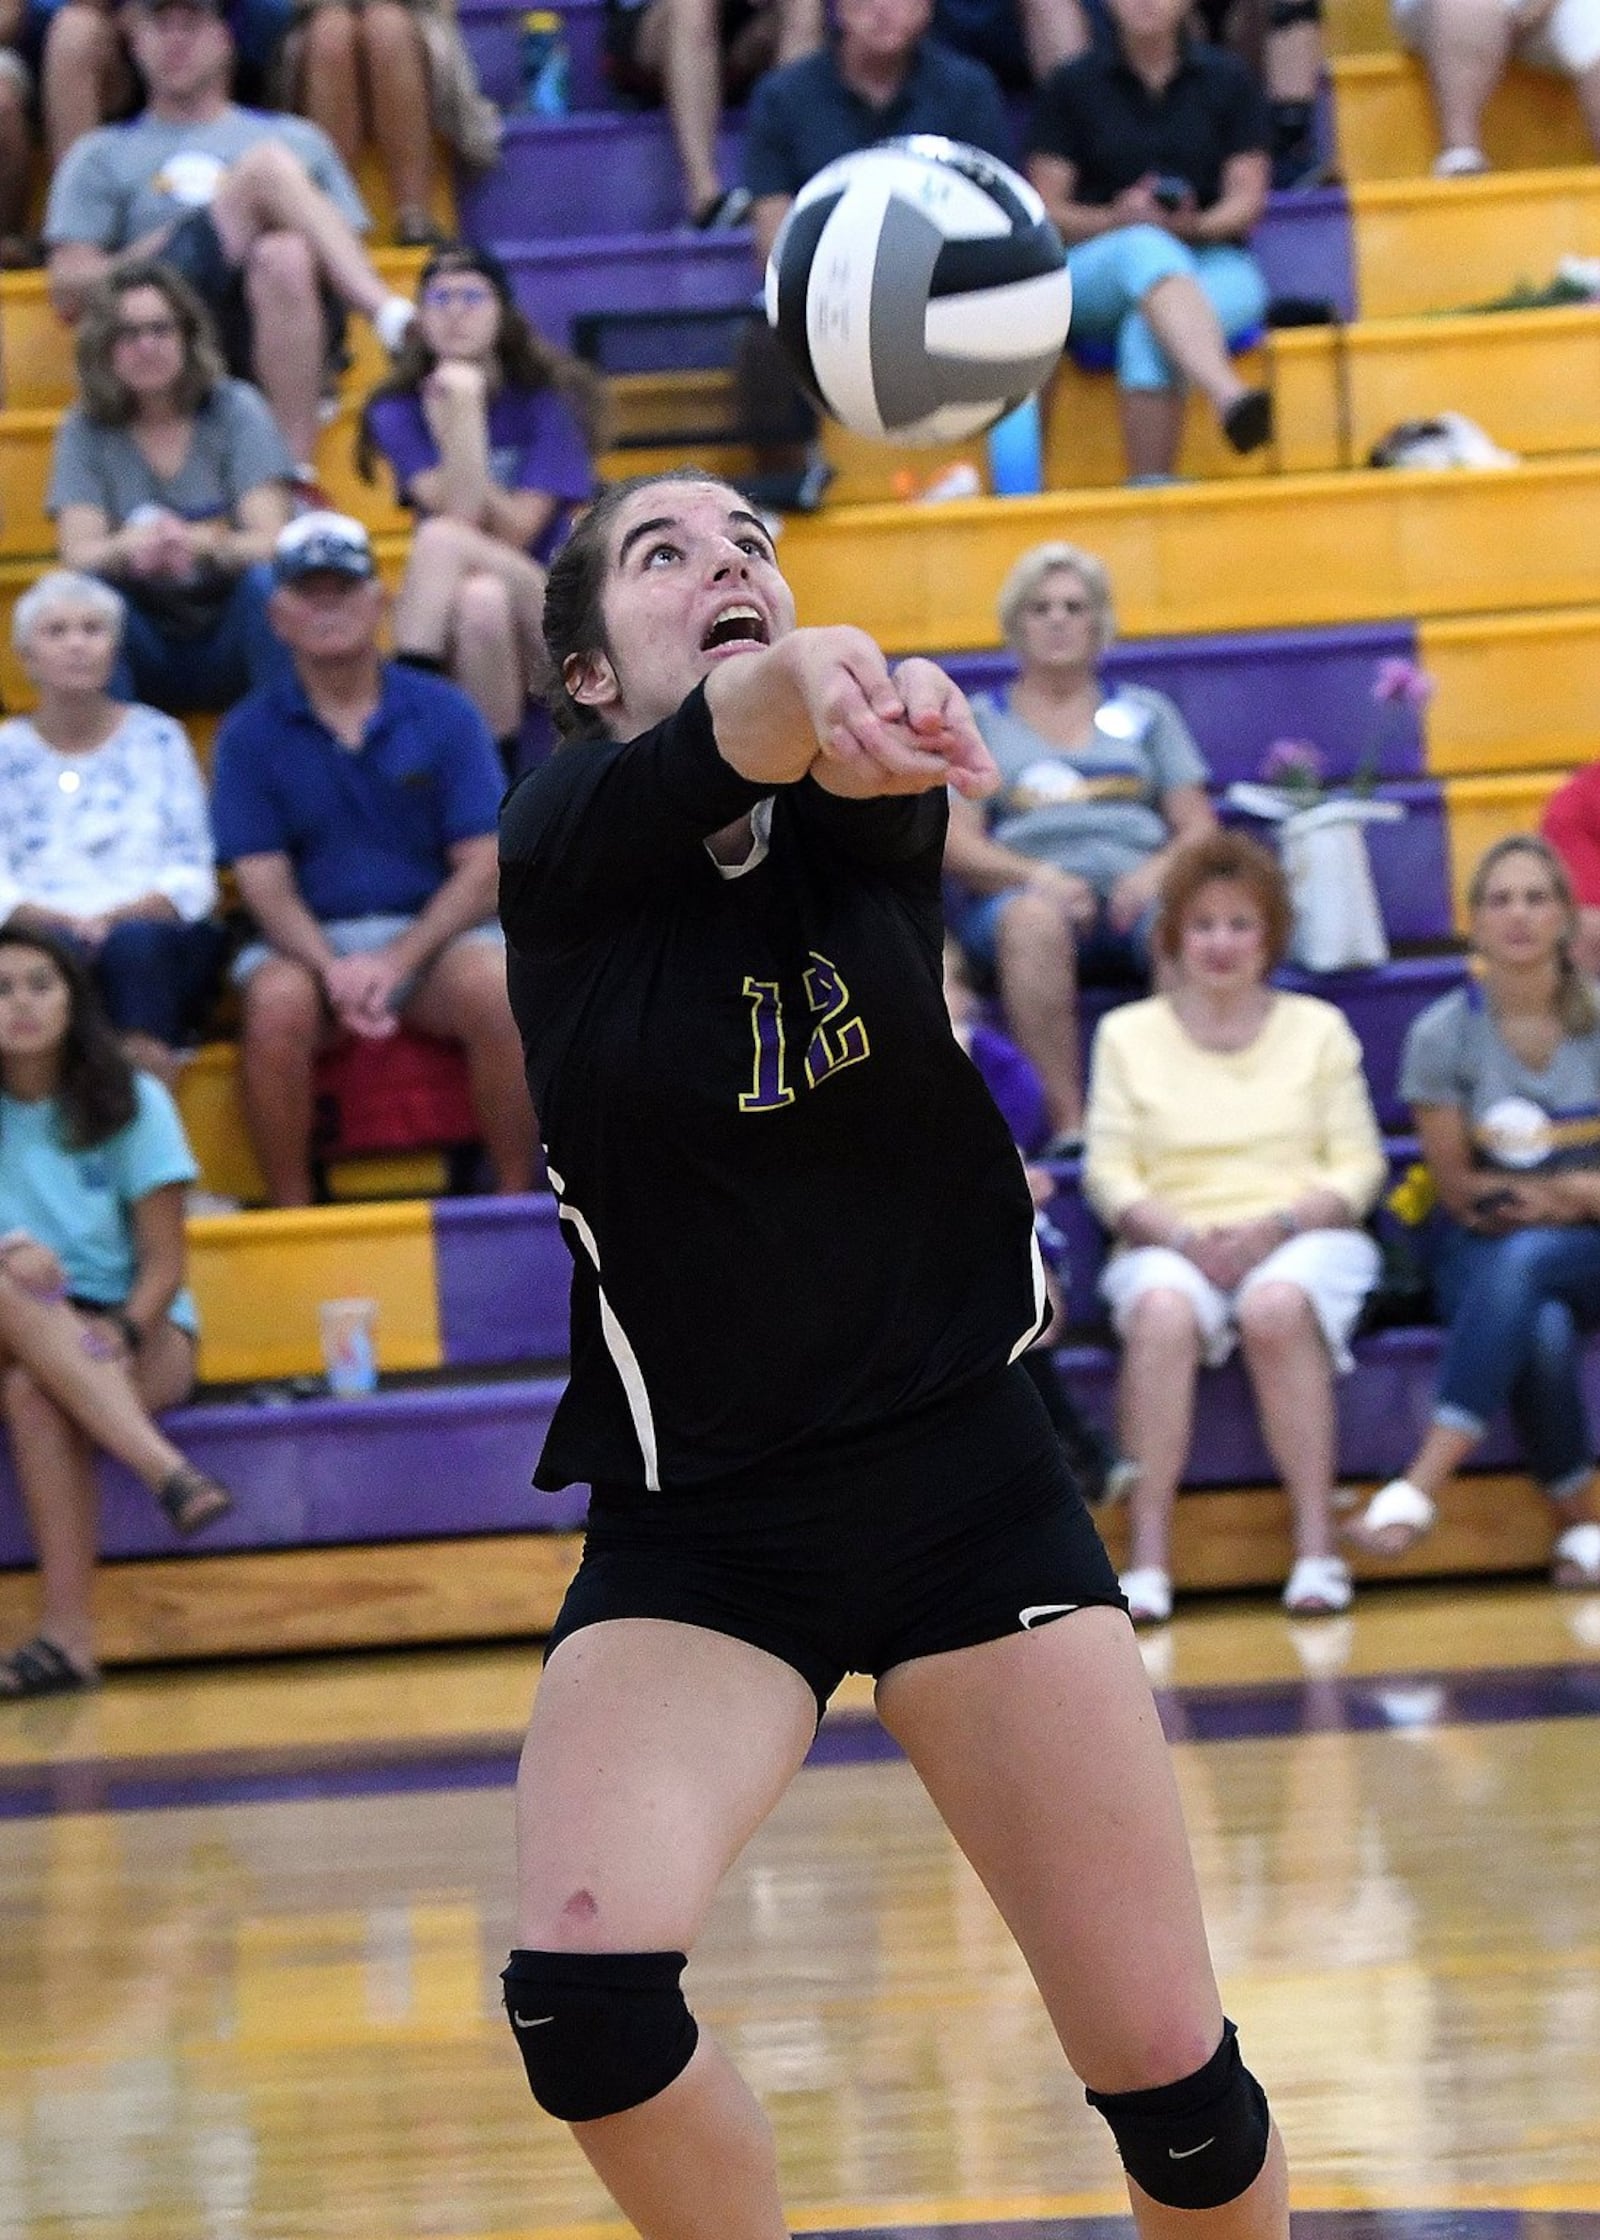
<point>804,1274</point>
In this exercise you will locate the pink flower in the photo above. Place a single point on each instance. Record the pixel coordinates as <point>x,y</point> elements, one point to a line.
<point>1295,763</point>
<point>1402,684</point>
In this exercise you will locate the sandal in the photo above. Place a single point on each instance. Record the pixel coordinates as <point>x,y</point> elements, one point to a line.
<point>1147,1590</point>
<point>39,1668</point>
<point>1394,1520</point>
<point>1575,1559</point>
<point>192,1500</point>
<point>1319,1587</point>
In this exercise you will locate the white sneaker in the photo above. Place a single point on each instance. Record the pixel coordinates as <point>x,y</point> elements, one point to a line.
<point>1459,163</point>
<point>1147,1590</point>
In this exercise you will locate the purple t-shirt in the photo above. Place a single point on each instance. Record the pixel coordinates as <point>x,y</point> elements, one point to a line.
<point>535,443</point>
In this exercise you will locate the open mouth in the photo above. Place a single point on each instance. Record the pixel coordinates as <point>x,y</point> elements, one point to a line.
<point>736,626</point>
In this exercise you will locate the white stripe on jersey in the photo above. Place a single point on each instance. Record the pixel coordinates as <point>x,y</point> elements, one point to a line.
<point>1041,1303</point>
<point>618,1344</point>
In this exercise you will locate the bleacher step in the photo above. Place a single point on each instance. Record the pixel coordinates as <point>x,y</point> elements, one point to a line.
<point>1386,127</point>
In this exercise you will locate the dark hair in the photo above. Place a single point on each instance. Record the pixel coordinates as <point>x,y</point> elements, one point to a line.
<point>573,619</point>
<point>1575,997</point>
<point>95,1093</point>
<point>110,403</point>
<point>523,358</point>
<point>1225,855</point>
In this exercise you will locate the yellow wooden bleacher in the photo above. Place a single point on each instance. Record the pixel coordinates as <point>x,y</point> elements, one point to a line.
<point>1386,128</point>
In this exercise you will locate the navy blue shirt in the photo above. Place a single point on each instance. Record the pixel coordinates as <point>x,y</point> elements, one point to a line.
<point>804,115</point>
<point>368,830</point>
<point>1098,115</point>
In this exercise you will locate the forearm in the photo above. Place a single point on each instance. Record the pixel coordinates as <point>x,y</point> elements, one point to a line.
<point>1084,221</point>
<point>983,864</point>
<point>759,713</point>
<point>1317,1208</point>
<point>466,899</point>
<point>465,484</point>
<point>153,906</point>
<point>1232,219</point>
<point>1151,1221</point>
<point>288,926</point>
<point>157,1284</point>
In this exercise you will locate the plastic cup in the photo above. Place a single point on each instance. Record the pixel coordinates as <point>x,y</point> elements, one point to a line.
<point>349,1346</point>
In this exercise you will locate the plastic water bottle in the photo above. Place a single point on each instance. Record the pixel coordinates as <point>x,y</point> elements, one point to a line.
<point>546,63</point>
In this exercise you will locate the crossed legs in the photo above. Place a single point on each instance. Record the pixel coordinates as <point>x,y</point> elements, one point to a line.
<point>473,601</point>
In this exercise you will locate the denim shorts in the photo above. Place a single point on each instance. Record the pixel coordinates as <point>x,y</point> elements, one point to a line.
<point>354,937</point>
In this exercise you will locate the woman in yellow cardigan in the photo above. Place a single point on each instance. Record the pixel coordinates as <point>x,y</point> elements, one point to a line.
<point>1232,1152</point>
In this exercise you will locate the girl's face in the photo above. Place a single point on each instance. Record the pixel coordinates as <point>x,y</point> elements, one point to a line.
<point>35,1003</point>
<point>459,314</point>
<point>146,340</point>
<point>71,648</point>
<point>1223,944</point>
<point>1520,919</point>
<point>1057,628</point>
<point>692,583</point>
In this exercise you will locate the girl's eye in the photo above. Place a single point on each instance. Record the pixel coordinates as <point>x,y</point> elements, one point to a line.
<point>758,547</point>
<point>657,552</point>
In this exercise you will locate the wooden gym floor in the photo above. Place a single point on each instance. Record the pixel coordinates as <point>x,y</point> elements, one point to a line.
<point>251,1920</point>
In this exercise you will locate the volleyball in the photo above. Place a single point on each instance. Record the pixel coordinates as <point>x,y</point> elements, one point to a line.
<point>918,290</point>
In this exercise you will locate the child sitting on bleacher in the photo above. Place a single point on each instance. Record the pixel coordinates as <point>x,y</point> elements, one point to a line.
<point>97,1333</point>
<point>490,434</point>
<point>105,843</point>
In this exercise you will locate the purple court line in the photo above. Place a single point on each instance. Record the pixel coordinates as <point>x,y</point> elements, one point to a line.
<point>1260,1710</point>
<point>1309,2224</point>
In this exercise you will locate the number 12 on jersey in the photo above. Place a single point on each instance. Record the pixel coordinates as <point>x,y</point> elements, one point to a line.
<point>837,1040</point>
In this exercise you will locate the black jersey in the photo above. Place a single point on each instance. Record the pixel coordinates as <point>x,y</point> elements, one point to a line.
<point>792,1207</point>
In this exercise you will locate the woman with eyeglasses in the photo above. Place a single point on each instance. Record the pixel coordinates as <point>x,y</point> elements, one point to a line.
<point>171,481</point>
<point>490,434</point>
<point>1062,865</point>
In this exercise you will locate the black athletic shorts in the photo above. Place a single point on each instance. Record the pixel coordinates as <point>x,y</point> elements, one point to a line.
<point>194,249</point>
<point>937,1530</point>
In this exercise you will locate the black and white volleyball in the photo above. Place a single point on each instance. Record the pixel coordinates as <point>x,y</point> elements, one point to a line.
<point>919,290</point>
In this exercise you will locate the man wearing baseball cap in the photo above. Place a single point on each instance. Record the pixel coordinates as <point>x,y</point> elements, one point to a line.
<point>357,801</point>
<point>256,210</point>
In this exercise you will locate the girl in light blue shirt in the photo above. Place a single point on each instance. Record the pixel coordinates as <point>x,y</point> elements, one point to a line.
<point>96,1330</point>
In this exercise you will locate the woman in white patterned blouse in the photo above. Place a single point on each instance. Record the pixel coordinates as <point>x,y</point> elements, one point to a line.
<point>104,834</point>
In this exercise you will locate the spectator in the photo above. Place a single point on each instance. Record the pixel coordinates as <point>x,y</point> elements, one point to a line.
<point>1151,155</point>
<point>880,76</point>
<point>1466,45</point>
<point>359,70</point>
<point>256,211</point>
<point>105,844</point>
<point>1571,824</point>
<point>171,481</point>
<point>490,433</point>
<point>96,1331</point>
<point>1021,41</point>
<point>1101,1476</point>
<point>1282,41</point>
<point>1503,1079</point>
<point>1232,1152</point>
<point>16,140</point>
<point>1061,867</point>
<point>684,51</point>
<point>86,72</point>
<point>357,802</point>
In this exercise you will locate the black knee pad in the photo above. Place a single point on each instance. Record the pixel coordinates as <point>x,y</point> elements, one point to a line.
<point>599,2032</point>
<point>1197,2143</point>
<point>1282,13</point>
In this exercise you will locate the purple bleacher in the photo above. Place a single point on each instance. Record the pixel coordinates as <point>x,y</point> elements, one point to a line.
<point>493,33</point>
<point>558,281</point>
<point>406,1465</point>
<point>502,1273</point>
<point>597,172</point>
<point>1238,693</point>
<point>1303,246</point>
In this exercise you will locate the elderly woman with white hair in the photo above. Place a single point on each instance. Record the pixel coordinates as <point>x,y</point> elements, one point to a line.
<point>105,842</point>
<point>1062,865</point>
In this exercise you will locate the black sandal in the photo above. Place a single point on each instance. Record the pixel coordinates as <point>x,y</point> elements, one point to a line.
<point>39,1668</point>
<point>192,1500</point>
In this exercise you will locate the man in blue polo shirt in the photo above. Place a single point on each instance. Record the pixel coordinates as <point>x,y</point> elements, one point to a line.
<point>358,802</point>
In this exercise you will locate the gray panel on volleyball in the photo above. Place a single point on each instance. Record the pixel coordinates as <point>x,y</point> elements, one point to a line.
<point>910,382</point>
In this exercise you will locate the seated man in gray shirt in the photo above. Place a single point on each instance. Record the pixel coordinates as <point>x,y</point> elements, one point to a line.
<point>256,211</point>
